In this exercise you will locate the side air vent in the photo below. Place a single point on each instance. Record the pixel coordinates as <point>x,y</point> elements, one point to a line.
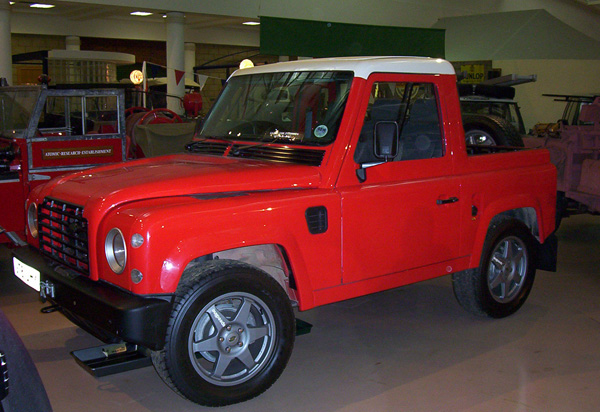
<point>309,157</point>
<point>214,148</point>
<point>316,219</point>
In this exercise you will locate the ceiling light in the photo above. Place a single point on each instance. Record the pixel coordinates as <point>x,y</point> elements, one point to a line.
<point>41,6</point>
<point>246,64</point>
<point>141,13</point>
<point>251,23</point>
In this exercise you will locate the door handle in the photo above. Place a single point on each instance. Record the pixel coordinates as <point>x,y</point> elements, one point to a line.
<point>446,201</point>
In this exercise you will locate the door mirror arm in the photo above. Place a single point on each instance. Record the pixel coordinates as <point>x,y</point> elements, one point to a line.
<point>361,172</point>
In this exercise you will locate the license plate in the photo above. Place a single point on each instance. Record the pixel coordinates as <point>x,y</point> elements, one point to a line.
<point>27,274</point>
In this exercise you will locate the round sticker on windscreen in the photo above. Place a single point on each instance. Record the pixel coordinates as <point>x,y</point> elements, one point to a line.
<point>321,131</point>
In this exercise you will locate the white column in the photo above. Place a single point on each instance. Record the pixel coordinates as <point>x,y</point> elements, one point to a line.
<point>5,46</point>
<point>73,43</point>
<point>175,59</point>
<point>190,60</point>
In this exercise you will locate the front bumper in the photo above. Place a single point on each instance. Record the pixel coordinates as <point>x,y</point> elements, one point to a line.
<point>100,308</point>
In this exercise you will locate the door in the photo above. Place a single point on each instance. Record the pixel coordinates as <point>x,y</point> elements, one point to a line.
<point>405,214</point>
<point>74,130</point>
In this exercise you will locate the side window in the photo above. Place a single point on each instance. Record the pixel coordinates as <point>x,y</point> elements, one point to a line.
<point>79,115</point>
<point>101,115</point>
<point>413,106</point>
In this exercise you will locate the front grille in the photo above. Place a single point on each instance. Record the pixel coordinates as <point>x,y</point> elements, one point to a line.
<point>63,234</point>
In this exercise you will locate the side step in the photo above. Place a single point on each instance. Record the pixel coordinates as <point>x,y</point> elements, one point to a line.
<point>122,357</point>
<point>112,358</point>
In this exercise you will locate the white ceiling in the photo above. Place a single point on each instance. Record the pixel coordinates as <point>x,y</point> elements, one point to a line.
<point>85,11</point>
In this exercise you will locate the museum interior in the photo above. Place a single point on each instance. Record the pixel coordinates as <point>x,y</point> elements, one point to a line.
<point>144,90</point>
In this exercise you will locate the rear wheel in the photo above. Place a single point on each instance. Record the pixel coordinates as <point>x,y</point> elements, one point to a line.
<point>230,335</point>
<point>501,284</point>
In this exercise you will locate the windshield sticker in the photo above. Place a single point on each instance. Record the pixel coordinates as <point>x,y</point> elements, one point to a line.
<point>289,136</point>
<point>321,131</point>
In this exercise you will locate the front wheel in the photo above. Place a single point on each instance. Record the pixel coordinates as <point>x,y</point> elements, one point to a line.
<point>501,284</point>
<point>230,335</point>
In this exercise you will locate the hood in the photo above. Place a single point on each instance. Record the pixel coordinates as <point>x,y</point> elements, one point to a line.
<point>178,175</point>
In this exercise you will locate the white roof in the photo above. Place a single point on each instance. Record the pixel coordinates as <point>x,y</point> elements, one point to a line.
<point>361,66</point>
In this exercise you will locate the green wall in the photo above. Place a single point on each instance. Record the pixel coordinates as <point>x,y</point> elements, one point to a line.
<point>291,37</point>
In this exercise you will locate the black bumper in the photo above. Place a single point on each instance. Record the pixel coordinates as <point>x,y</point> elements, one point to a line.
<point>103,309</point>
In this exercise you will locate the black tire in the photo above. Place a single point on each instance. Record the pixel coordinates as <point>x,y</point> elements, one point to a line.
<point>507,262</point>
<point>230,335</point>
<point>25,388</point>
<point>490,130</point>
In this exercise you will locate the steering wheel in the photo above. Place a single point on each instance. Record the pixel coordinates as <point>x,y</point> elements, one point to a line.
<point>135,109</point>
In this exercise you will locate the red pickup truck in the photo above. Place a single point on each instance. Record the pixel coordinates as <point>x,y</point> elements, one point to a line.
<point>309,183</point>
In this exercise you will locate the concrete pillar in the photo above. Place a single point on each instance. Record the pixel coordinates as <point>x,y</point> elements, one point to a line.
<point>175,59</point>
<point>190,60</point>
<point>73,43</point>
<point>5,45</point>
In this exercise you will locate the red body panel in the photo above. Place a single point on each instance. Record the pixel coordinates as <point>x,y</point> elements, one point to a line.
<point>385,232</point>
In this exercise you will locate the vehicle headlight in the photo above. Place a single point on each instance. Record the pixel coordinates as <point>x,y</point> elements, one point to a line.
<point>32,220</point>
<point>115,250</point>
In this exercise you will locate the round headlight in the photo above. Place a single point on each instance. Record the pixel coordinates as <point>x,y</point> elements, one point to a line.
<point>32,220</point>
<point>115,250</point>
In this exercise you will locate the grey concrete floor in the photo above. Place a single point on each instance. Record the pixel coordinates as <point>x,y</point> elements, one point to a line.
<point>409,349</point>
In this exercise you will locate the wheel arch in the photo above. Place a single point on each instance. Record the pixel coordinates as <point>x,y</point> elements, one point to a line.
<point>271,258</point>
<point>528,215</point>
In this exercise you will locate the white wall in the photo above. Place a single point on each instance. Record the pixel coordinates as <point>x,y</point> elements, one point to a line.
<point>554,77</point>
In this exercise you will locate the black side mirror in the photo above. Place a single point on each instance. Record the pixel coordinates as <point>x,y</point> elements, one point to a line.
<point>386,140</point>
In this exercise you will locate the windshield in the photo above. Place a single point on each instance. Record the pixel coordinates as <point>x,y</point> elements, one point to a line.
<point>16,106</point>
<point>296,107</point>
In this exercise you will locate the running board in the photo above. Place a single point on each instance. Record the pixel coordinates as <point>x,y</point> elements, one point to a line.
<point>112,358</point>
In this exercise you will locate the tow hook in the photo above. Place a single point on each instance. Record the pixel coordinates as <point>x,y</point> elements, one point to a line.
<point>46,290</point>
